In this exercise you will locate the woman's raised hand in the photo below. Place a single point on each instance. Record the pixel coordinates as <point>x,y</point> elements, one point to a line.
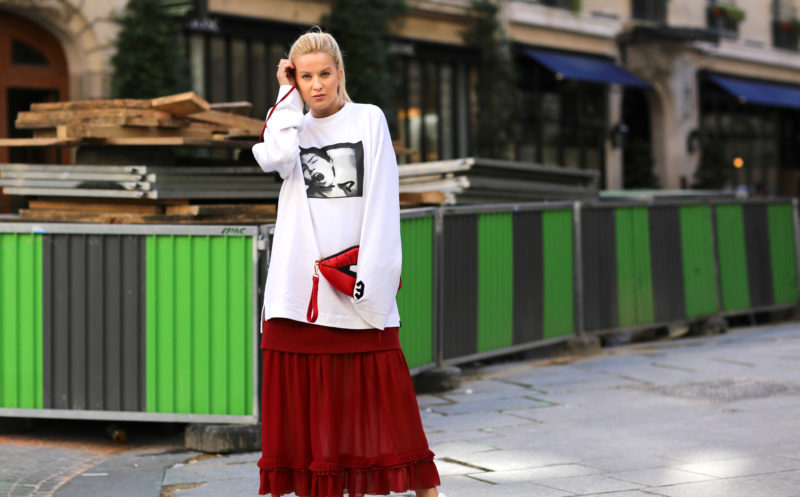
<point>286,72</point>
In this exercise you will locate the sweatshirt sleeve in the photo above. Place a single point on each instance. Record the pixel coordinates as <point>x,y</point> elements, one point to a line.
<point>280,148</point>
<point>380,252</point>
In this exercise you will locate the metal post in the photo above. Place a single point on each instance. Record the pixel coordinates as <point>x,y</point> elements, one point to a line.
<point>438,286</point>
<point>256,338</point>
<point>796,219</point>
<point>577,264</point>
<point>715,248</point>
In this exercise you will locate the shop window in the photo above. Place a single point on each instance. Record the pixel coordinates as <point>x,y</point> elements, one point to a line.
<point>750,132</point>
<point>218,77</point>
<point>24,54</point>
<point>561,122</point>
<point>785,34</point>
<point>650,10</point>
<point>785,25</point>
<point>259,78</point>
<point>430,117</point>
<point>239,81</point>
<point>431,110</point>
<point>448,114</point>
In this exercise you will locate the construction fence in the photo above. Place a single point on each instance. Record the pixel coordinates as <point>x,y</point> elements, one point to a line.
<point>160,322</point>
<point>490,280</point>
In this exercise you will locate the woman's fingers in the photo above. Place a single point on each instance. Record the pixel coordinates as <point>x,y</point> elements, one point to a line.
<point>285,72</point>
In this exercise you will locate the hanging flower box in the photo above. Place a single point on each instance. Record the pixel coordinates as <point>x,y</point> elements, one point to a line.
<point>729,12</point>
<point>725,18</point>
<point>791,25</point>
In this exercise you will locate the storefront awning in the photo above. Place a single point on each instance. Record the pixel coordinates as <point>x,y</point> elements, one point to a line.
<point>760,93</point>
<point>585,68</point>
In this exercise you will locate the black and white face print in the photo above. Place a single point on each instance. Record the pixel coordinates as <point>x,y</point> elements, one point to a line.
<point>334,171</point>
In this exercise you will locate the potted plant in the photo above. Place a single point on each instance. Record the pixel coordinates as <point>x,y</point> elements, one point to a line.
<point>728,12</point>
<point>792,25</point>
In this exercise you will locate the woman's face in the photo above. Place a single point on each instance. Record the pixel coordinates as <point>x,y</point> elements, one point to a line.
<point>318,81</point>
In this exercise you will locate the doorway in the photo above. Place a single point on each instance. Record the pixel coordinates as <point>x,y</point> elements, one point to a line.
<point>34,69</point>
<point>638,162</point>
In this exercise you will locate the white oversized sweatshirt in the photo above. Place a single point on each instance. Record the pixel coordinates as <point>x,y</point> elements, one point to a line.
<point>340,189</point>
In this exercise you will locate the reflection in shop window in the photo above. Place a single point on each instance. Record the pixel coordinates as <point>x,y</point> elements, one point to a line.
<point>572,151</point>
<point>413,113</point>
<point>432,110</point>
<point>447,111</point>
<point>431,144</point>
<point>239,70</point>
<point>259,77</point>
<point>462,109</point>
<point>218,75</point>
<point>550,143</point>
<point>593,141</point>
<point>197,63</point>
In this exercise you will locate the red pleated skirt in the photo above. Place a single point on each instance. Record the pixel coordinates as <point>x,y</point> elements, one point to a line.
<point>338,422</point>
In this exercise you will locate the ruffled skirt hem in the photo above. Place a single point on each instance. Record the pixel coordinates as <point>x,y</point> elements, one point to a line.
<point>411,472</point>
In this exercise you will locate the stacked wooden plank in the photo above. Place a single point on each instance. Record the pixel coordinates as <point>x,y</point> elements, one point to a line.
<point>112,211</point>
<point>177,120</point>
<point>476,180</point>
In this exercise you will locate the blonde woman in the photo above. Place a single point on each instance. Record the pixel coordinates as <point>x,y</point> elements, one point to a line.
<point>339,411</point>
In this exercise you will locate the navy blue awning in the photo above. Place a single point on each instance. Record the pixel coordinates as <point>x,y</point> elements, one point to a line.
<point>585,68</point>
<point>756,92</point>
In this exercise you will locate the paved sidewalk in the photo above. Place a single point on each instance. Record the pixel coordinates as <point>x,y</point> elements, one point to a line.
<point>78,458</point>
<point>713,416</point>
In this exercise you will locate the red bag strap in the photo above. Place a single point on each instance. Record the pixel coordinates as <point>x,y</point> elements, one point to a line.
<point>313,311</point>
<point>261,136</point>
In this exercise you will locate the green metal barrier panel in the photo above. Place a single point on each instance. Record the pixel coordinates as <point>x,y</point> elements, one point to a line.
<point>415,299</point>
<point>199,324</point>
<point>697,248</point>
<point>782,253</point>
<point>634,279</point>
<point>732,257</point>
<point>558,273</point>
<point>21,321</point>
<point>495,281</point>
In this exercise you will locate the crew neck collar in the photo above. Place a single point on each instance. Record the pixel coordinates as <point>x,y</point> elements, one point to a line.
<point>333,117</point>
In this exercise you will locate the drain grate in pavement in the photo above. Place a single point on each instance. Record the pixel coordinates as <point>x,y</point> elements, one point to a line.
<point>727,389</point>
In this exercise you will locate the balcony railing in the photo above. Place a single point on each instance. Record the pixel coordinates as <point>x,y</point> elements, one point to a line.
<point>786,34</point>
<point>650,10</point>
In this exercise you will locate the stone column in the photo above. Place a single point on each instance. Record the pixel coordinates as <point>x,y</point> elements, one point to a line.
<point>674,107</point>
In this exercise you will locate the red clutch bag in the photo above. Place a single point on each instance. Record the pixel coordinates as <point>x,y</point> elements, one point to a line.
<point>337,269</point>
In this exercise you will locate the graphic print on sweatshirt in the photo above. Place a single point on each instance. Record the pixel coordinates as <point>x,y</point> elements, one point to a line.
<point>334,171</point>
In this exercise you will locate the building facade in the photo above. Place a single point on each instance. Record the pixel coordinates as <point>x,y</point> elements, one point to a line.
<point>651,93</point>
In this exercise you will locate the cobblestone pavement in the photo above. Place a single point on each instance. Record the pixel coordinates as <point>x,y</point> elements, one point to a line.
<point>697,417</point>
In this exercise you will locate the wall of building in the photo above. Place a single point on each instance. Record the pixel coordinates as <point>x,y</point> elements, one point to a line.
<point>86,33</point>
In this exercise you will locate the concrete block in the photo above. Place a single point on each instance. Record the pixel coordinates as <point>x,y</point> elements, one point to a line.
<point>223,438</point>
<point>582,345</point>
<point>437,380</point>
